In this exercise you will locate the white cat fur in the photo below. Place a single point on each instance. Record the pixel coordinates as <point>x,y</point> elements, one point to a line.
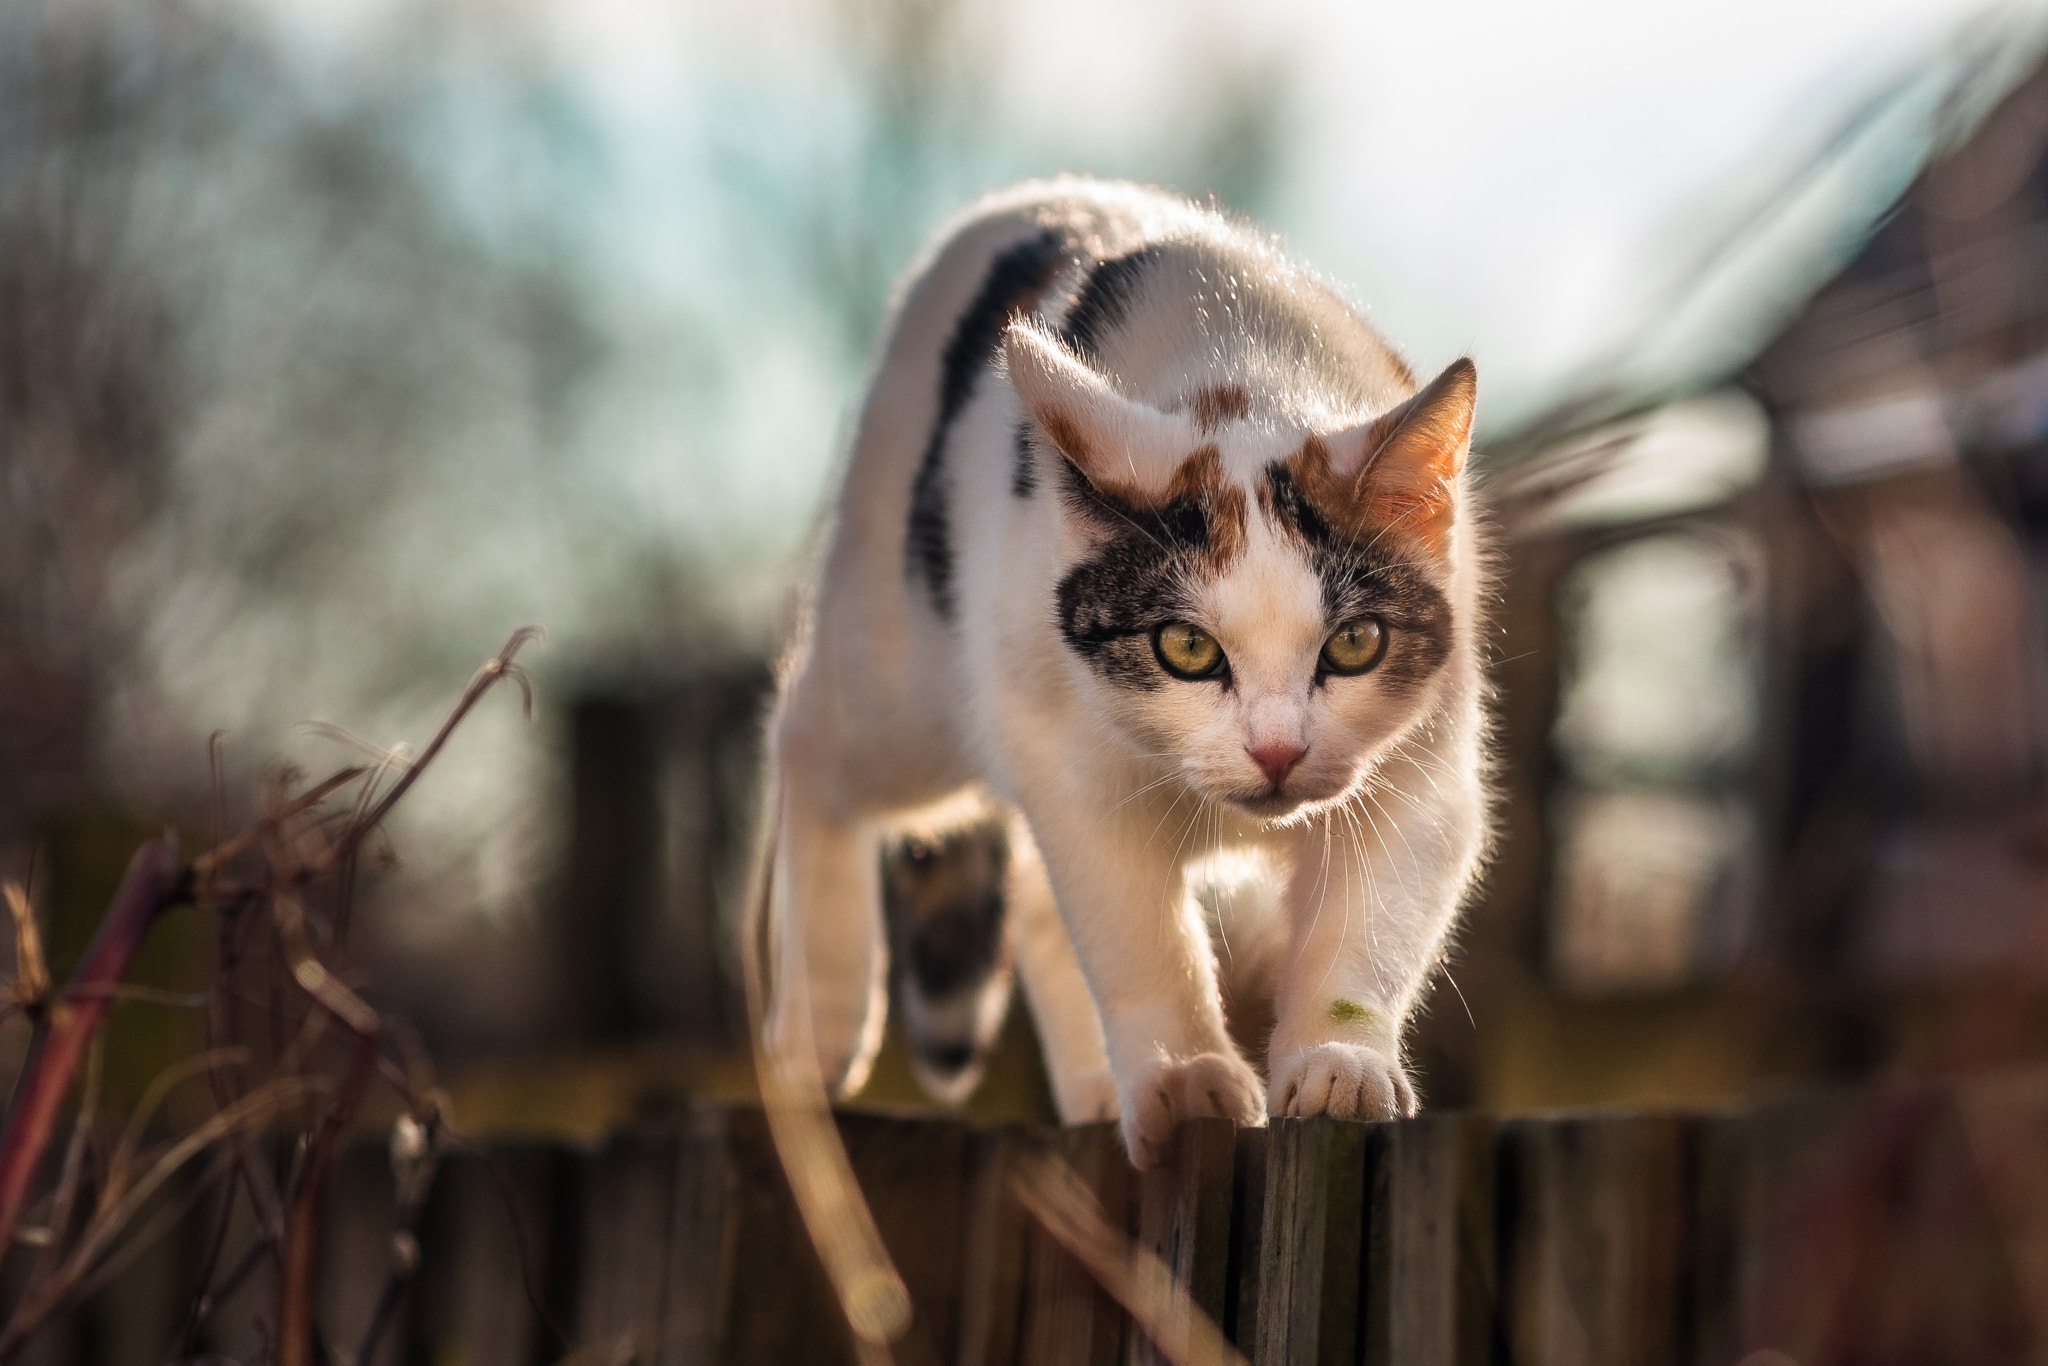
<point>889,704</point>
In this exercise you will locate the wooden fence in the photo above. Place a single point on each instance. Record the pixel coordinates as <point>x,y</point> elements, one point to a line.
<point>1906,1224</point>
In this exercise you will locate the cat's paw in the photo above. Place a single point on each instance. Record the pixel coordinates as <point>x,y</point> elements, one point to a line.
<point>1165,1092</point>
<point>1342,1079</point>
<point>1088,1098</point>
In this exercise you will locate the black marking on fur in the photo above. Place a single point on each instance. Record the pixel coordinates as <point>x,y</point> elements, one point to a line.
<point>1374,578</point>
<point>1017,274</point>
<point>1293,508</point>
<point>1142,576</point>
<point>1024,468</point>
<point>944,900</point>
<point>946,1059</point>
<point>1105,297</point>
<point>957,947</point>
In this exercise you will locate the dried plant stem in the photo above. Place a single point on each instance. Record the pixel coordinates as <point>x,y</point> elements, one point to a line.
<point>31,977</point>
<point>414,1158</point>
<point>133,1204</point>
<point>71,1025</point>
<point>499,666</point>
<point>105,1225</point>
<point>213,859</point>
<point>302,1219</point>
<point>74,1157</point>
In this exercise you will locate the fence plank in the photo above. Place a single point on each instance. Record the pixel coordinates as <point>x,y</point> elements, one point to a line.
<point>485,1248</point>
<point>701,1241</point>
<point>1429,1261</point>
<point>1184,1218</point>
<point>1310,1242</point>
<point>1596,1232</point>
<point>1869,1234</point>
<point>993,1254</point>
<point>628,1204</point>
<point>356,1253</point>
<point>62,1338</point>
<point>781,1306</point>
<point>1714,1326</point>
<point>1247,1221</point>
<point>1068,1320</point>
<point>2005,1120</point>
<point>914,1175</point>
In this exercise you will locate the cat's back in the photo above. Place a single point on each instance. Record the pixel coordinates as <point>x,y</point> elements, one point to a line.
<point>1172,300</point>
<point>1143,283</point>
<point>1018,250</point>
<point>1169,297</point>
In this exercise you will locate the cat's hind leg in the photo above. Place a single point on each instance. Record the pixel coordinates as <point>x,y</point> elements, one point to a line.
<point>945,892</point>
<point>1069,1025</point>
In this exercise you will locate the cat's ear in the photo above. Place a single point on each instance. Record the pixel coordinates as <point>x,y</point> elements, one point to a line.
<point>1119,445</point>
<point>1403,466</point>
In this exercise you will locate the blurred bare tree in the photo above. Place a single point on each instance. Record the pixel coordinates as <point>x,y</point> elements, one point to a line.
<point>243,333</point>
<point>86,393</point>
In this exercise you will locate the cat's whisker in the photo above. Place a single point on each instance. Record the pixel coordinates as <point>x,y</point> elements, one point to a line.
<point>1307,936</point>
<point>1336,955</point>
<point>1148,787</point>
<point>1194,819</point>
<point>1372,891</point>
<point>1371,798</point>
<point>1445,964</point>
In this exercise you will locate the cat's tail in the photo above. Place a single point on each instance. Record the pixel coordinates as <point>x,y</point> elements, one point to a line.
<point>952,946</point>
<point>799,1112</point>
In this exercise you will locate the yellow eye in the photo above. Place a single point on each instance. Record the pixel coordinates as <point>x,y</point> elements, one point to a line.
<point>1355,646</point>
<point>1185,650</point>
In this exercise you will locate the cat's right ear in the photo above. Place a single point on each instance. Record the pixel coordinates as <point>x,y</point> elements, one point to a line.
<point>1402,468</point>
<point>1120,446</point>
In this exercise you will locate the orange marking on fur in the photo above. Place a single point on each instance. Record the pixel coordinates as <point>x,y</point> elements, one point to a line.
<point>1408,481</point>
<point>1200,479</point>
<point>1066,435</point>
<point>1215,404</point>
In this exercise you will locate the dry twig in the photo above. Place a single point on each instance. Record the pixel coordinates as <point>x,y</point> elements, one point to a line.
<point>305,848</point>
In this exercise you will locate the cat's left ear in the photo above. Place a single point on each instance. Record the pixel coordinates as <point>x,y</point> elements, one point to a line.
<point>1405,463</point>
<point>1119,445</point>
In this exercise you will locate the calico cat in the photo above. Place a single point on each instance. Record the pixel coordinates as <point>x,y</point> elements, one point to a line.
<point>1148,539</point>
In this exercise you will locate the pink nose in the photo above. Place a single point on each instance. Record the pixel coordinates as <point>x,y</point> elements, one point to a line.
<point>1277,760</point>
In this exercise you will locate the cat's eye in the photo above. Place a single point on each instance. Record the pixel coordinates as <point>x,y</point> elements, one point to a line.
<point>1355,646</point>
<point>1185,650</point>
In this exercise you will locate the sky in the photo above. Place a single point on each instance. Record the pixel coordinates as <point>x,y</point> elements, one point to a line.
<point>1517,181</point>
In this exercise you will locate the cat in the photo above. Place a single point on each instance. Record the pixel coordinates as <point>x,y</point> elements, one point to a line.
<point>1152,545</point>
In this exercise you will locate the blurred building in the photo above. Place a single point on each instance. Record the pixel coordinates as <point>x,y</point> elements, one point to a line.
<point>1772,682</point>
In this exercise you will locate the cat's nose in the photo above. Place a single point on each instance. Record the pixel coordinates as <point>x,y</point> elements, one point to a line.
<point>1277,760</point>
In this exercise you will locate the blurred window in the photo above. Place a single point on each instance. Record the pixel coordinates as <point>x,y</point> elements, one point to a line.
<point>1654,737</point>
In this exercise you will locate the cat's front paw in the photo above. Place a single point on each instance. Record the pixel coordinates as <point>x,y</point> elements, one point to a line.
<point>1088,1098</point>
<point>1169,1090</point>
<point>1342,1079</point>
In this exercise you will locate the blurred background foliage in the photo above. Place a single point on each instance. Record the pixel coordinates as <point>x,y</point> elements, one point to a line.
<point>337,340</point>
